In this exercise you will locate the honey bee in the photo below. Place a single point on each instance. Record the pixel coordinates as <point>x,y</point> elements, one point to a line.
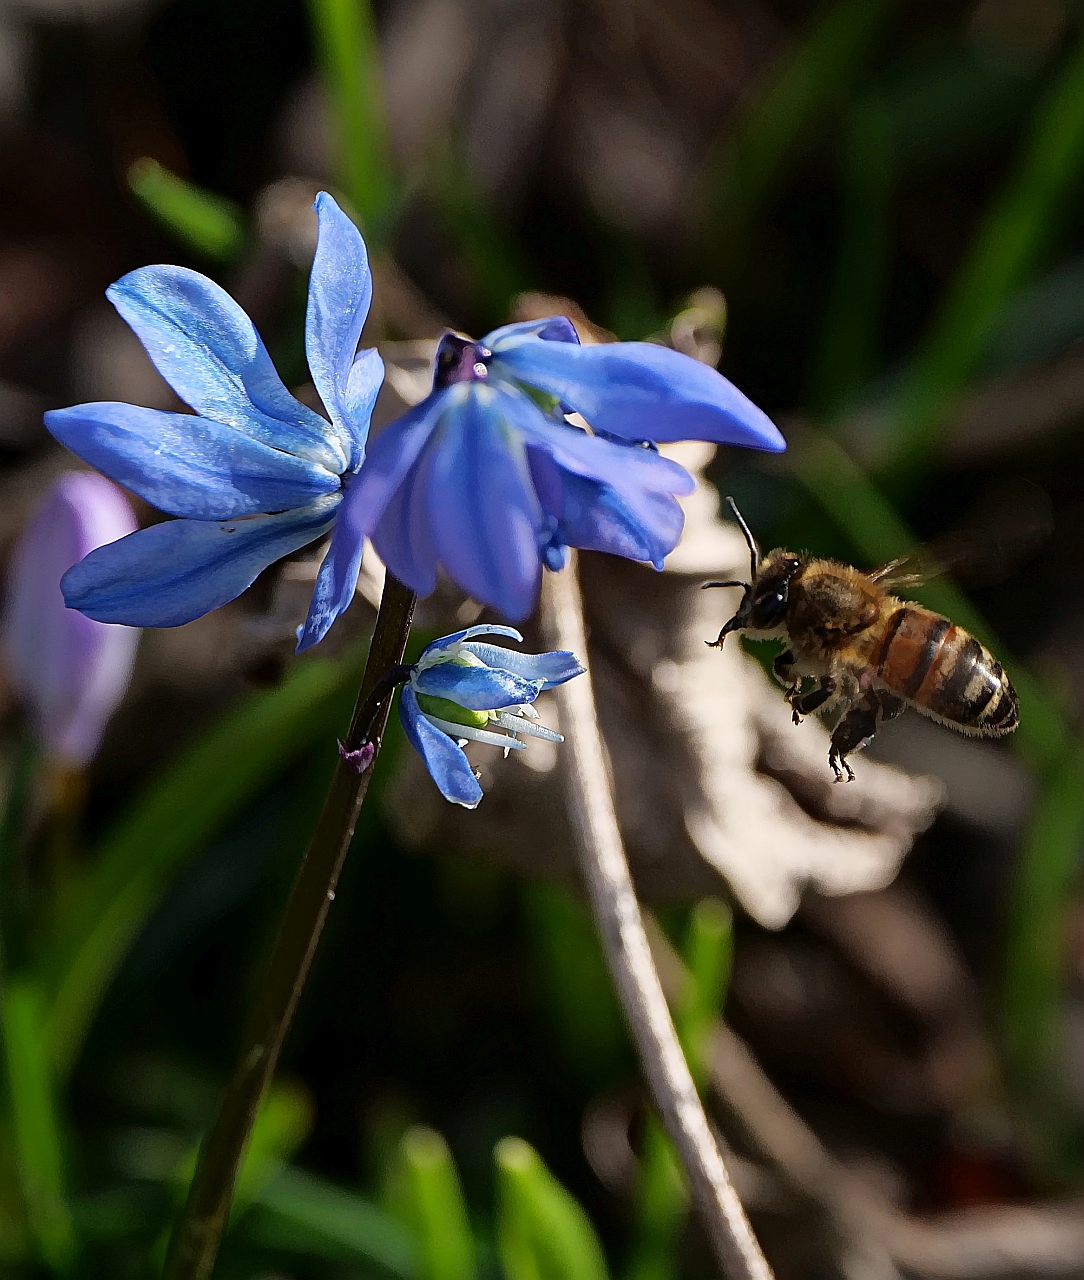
<point>866,650</point>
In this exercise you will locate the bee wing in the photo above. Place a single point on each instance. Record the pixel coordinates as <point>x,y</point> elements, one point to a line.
<point>909,571</point>
<point>1004,531</point>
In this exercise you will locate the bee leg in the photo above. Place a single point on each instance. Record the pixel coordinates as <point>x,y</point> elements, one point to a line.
<point>889,705</point>
<point>804,704</point>
<point>854,731</point>
<point>783,670</point>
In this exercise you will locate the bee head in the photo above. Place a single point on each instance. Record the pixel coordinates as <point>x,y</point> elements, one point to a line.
<point>764,600</point>
<point>764,603</point>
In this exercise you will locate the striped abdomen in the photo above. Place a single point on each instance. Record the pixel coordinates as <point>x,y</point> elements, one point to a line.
<point>944,670</point>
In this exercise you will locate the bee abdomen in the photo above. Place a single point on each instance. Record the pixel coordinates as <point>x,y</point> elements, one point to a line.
<point>946,671</point>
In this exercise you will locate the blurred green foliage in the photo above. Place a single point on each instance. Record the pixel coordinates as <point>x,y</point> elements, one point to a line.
<point>543,1233</point>
<point>208,225</point>
<point>346,46</point>
<point>431,1201</point>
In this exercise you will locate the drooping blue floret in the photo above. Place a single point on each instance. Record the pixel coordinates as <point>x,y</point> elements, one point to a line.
<point>488,479</point>
<point>464,690</point>
<point>255,474</point>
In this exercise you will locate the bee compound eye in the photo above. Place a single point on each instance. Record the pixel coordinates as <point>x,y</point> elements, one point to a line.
<point>769,608</point>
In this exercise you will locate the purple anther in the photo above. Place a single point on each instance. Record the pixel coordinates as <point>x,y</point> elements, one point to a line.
<point>359,759</point>
<point>460,360</point>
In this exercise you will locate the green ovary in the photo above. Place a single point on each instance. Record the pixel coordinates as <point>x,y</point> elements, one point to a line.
<point>445,709</point>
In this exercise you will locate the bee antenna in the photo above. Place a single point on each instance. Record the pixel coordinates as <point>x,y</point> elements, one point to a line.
<point>729,583</point>
<point>754,550</point>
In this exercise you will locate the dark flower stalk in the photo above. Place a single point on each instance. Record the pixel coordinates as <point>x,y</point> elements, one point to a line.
<point>196,1238</point>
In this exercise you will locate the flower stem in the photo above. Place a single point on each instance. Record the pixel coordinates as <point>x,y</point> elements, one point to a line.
<point>625,945</point>
<point>197,1235</point>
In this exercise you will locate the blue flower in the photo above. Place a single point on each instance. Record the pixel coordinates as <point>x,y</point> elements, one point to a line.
<point>256,474</point>
<point>463,689</point>
<point>488,478</point>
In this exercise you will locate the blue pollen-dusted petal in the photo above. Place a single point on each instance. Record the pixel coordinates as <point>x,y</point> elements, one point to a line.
<point>483,511</point>
<point>188,466</point>
<point>552,668</point>
<point>468,633</point>
<point>447,764</point>
<point>335,585</point>
<point>552,329</point>
<point>640,391</point>
<point>476,688</point>
<point>340,291</point>
<point>174,572</point>
<point>363,384</point>
<point>208,350</point>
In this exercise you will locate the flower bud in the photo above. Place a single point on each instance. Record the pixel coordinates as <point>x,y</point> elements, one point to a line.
<point>69,671</point>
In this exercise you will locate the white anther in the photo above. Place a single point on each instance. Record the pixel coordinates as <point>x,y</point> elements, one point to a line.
<point>464,733</point>
<point>518,725</point>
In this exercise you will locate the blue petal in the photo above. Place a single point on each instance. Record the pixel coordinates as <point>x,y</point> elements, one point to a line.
<point>482,507</point>
<point>621,464</point>
<point>553,668</point>
<point>476,688</point>
<point>552,329</point>
<point>480,629</point>
<point>362,388</point>
<point>340,290</point>
<point>640,391</point>
<point>447,764</point>
<point>403,538</point>
<point>390,458</point>
<point>179,570</point>
<point>335,585</point>
<point>188,466</point>
<point>627,521</point>
<point>208,350</point>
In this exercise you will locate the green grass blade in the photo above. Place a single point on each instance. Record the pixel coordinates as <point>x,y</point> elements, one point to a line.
<point>35,1123</point>
<point>542,1232</point>
<point>209,225</point>
<point>307,1215</point>
<point>206,785</point>
<point>486,250</point>
<point>575,983</point>
<point>350,65</point>
<point>708,955</point>
<point>434,1207</point>
<point>1015,231</point>
<point>282,1125</point>
<point>749,166</point>
<point>662,1204</point>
